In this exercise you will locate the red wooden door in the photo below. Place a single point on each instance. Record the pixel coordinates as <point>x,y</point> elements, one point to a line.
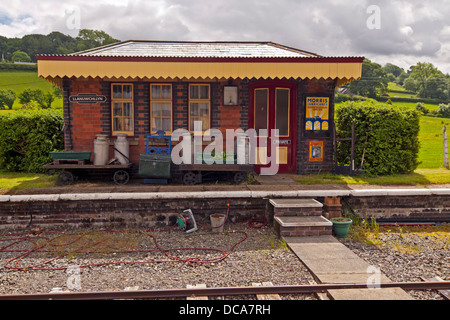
<point>273,106</point>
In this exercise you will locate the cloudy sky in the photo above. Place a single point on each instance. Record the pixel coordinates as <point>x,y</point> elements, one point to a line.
<point>396,31</point>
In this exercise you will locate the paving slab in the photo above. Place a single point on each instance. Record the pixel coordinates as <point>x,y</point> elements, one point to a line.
<point>370,294</point>
<point>299,221</point>
<point>330,261</point>
<point>295,203</point>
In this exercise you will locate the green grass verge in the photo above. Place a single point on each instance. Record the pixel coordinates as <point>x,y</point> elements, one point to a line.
<point>418,177</point>
<point>16,181</point>
<point>430,136</point>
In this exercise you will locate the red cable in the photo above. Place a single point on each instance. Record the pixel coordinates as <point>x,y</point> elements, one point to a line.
<point>14,262</point>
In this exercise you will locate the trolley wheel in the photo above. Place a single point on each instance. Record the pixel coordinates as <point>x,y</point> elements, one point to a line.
<point>65,178</point>
<point>121,177</point>
<point>190,178</point>
<point>239,177</point>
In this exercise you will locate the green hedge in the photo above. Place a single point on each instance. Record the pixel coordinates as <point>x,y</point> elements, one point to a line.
<point>392,137</point>
<point>17,67</point>
<point>27,137</point>
<point>403,99</point>
<point>340,97</point>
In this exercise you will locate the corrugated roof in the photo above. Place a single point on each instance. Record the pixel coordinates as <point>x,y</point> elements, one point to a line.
<point>191,49</point>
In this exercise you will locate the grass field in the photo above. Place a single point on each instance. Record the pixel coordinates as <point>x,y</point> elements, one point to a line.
<point>395,87</point>
<point>19,81</point>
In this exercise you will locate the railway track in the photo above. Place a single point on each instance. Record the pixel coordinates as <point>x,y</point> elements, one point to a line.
<point>225,291</point>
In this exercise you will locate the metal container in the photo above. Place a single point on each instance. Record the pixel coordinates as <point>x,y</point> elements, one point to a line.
<point>154,165</point>
<point>122,149</point>
<point>101,150</point>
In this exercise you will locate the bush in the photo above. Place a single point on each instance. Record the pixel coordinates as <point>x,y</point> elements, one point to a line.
<point>444,110</point>
<point>27,137</point>
<point>17,67</point>
<point>44,99</point>
<point>7,98</point>
<point>421,108</point>
<point>392,137</point>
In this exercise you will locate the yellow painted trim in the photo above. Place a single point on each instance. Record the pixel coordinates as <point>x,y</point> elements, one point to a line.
<point>282,155</point>
<point>344,72</point>
<point>261,155</point>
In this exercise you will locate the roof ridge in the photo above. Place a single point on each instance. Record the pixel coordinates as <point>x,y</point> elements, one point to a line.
<point>282,46</point>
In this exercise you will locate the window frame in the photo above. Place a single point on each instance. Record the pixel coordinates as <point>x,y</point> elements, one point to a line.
<point>122,100</point>
<point>199,101</point>
<point>161,100</point>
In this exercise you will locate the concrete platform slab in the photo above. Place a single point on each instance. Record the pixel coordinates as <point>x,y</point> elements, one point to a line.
<point>370,294</point>
<point>330,261</point>
<point>312,221</point>
<point>295,203</point>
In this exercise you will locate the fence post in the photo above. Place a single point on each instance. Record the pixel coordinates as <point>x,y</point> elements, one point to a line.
<point>444,136</point>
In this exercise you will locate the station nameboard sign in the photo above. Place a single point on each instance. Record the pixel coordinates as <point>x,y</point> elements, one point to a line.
<point>87,98</point>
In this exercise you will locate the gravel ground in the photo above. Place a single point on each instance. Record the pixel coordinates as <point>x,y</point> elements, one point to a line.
<point>408,254</point>
<point>255,255</point>
<point>258,258</point>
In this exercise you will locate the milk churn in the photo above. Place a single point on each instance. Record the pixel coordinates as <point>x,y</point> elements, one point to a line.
<point>122,148</point>
<point>101,150</point>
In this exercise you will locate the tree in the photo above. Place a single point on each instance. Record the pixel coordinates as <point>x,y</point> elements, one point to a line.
<point>373,79</point>
<point>20,56</point>
<point>430,82</point>
<point>411,85</point>
<point>43,99</point>
<point>392,68</point>
<point>35,44</point>
<point>7,98</point>
<point>88,39</point>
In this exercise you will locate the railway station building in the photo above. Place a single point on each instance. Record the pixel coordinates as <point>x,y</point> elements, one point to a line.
<point>141,87</point>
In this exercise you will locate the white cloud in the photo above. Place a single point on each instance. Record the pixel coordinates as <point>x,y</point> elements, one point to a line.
<point>407,30</point>
<point>410,30</point>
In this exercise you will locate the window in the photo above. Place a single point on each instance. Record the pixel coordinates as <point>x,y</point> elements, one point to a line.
<point>122,109</point>
<point>261,109</point>
<point>199,105</point>
<point>282,112</point>
<point>161,107</point>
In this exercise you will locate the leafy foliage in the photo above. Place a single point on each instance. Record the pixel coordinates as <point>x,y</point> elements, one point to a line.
<point>444,110</point>
<point>373,78</point>
<point>43,99</point>
<point>392,137</point>
<point>7,98</point>
<point>53,43</point>
<point>20,56</point>
<point>27,137</point>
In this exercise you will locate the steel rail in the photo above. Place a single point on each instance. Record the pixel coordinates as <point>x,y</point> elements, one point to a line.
<point>221,291</point>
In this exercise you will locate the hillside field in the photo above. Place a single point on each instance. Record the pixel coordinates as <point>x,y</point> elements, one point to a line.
<point>19,81</point>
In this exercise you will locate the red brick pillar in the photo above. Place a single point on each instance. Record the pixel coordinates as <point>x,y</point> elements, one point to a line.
<point>332,207</point>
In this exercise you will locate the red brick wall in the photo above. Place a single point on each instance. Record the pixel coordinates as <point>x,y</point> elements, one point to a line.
<point>84,122</point>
